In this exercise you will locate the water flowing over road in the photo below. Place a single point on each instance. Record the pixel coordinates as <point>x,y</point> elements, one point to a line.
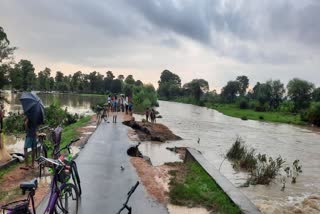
<point>218,132</point>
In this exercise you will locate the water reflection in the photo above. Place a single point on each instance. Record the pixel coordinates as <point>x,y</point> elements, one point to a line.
<point>74,102</point>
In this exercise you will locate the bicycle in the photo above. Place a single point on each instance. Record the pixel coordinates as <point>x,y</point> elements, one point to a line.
<point>41,148</point>
<point>59,195</point>
<point>125,205</point>
<point>73,165</point>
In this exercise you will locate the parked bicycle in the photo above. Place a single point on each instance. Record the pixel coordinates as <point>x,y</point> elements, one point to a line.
<point>63,198</point>
<point>42,148</point>
<point>125,205</point>
<point>70,162</point>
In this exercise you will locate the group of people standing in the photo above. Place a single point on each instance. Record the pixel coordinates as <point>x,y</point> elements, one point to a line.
<point>150,113</point>
<point>117,104</point>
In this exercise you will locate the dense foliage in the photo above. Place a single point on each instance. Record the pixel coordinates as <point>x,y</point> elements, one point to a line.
<point>55,115</point>
<point>269,96</point>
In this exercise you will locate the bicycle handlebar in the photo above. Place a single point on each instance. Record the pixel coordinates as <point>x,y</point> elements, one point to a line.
<point>42,159</point>
<point>42,128</point>
<point>67,146</point>
<point>133,189</point>
<point>125,205</point>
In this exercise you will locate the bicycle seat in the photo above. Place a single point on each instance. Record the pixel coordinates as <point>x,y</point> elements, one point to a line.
<point>42,134</point>
<point>29,185</point>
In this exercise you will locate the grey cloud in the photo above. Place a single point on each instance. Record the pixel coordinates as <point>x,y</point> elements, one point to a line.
<point>249,31</point>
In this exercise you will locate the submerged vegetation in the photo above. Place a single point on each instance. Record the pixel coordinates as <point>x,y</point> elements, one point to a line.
<point>262,169</point>
<point>192,186</point>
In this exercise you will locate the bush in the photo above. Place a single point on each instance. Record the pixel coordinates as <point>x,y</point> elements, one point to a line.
<point>261,108</point>
<point>237,150</point>
<point>286,106</point>
<point>266,170</point>
<point>14,123</point>
<point>55,116</point>
<point>261,117</point>
<point>244,118</point>
<point>244,104</point>
<point>262,169</point>
<point>314,114</point>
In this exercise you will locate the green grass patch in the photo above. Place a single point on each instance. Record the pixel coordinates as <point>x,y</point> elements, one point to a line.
<point>194,187</point>
<point>69,133</point>
<point>279,117</point>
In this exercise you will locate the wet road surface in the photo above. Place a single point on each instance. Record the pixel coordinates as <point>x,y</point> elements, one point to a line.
<point>104,184</point>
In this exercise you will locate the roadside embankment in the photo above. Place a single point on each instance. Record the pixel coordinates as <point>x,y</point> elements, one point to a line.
<point>151,131</point>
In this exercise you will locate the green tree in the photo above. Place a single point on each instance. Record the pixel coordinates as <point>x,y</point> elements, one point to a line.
<point>277,93</point>
<point>300,92</point>
<point>263,93</point>
<point>121,77</point>
<point>129,80</point>
<point>138,83</point>
<point>23,76</point>
<point>169,85</point>
<point>116,86</point>
<point>230,92</point>
<point>60,84</point>
<point>314,113</point>
<point>110,75</point>
<point>5,50</point>
<point>4,74</point>
<point>244,84</point>
<point>316,95</point>
<point>76,81</point>
<point>196,88</point>
<point>44,79</point>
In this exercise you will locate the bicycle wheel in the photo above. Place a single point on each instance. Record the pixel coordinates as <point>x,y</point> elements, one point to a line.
<point>76,177</point>
<point>68,200</point>
<point>43,152</point>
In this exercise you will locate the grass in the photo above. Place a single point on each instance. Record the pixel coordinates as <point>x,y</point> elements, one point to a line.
<point>194,187</point>
<point>69,133</point>
<point>279,117</point>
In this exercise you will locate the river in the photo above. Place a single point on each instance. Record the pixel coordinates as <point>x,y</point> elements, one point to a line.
<point>218,132</point>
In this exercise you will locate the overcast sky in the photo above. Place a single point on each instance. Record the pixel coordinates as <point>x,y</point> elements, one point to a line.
<point>212,39</point>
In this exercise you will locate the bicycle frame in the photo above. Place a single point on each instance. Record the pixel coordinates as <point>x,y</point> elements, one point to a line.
<point>54,194</point>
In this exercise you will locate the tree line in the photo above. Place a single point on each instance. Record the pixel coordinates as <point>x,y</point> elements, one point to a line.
<point>21,76</point>
<point>297,97</point>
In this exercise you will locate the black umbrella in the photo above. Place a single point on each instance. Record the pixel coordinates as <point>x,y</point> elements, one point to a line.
<point>33,107</point>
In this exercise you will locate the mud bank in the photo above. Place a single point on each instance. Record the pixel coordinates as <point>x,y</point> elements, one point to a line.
<point>151,131</point>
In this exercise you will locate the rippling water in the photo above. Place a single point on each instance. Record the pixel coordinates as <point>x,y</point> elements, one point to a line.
<point>218,132</point>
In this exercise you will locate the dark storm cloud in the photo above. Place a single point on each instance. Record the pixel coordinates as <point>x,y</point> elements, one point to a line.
<point>249,31</point>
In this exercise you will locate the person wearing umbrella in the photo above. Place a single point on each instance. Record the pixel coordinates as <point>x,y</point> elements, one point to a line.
<point>34,111</point>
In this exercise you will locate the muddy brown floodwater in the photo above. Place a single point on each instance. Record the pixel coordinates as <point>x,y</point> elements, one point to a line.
<point>218,132</point>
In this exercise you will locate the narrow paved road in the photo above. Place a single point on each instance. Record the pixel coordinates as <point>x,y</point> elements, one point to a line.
<point>104,184</point>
